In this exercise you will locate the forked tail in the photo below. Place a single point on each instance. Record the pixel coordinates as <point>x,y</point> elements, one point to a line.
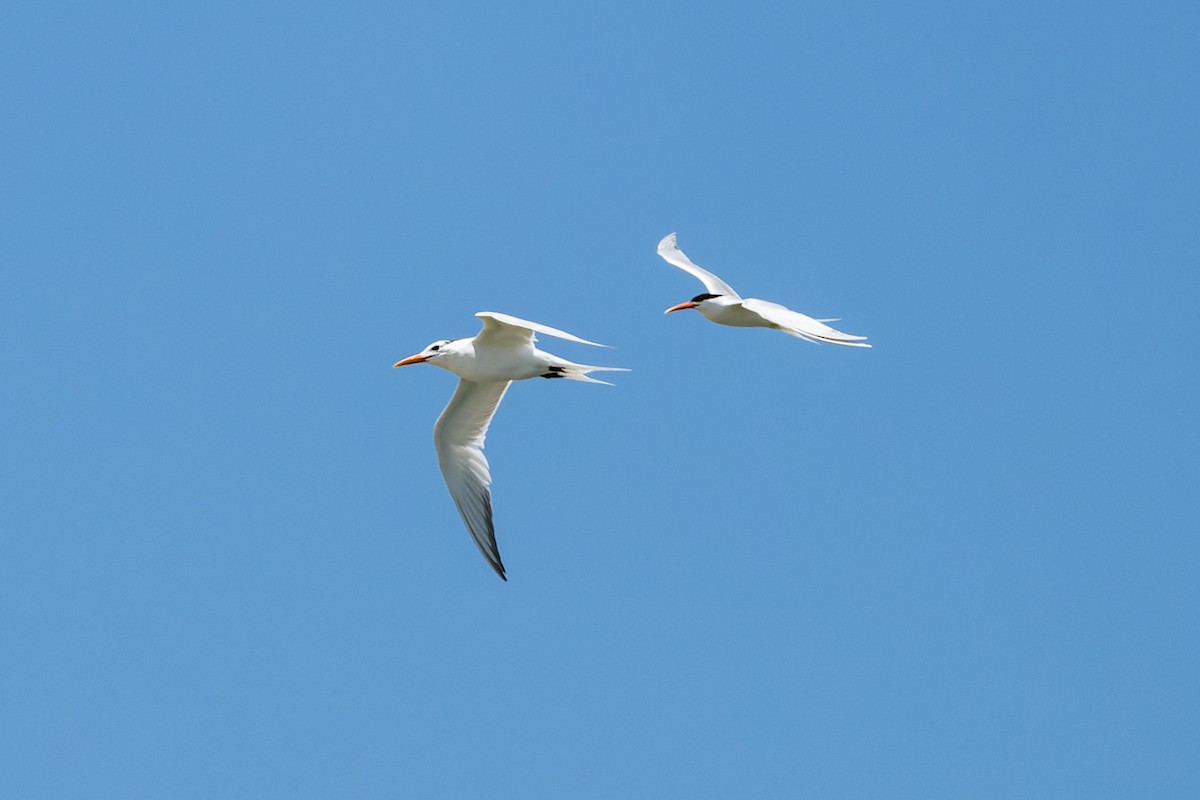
<point>829,335</point>
<point>562,368</point>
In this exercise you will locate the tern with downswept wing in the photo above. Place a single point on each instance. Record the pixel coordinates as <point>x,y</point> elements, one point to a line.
<point>486,364</point>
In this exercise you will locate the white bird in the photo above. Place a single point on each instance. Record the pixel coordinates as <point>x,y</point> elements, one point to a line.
<point>486,363</point>
<point>723,305</point>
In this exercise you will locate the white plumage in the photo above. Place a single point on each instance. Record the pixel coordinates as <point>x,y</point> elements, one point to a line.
<point>486,364</point>
<point>723,305</point>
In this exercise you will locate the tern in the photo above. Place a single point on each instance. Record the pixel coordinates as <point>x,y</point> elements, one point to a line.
<point>723,305</point>
<point>486,364</point>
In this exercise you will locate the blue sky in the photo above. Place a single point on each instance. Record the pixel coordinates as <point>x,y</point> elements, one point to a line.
<point>961,564</point>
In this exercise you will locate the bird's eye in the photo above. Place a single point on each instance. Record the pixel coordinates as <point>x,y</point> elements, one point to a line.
<point>435,347</point>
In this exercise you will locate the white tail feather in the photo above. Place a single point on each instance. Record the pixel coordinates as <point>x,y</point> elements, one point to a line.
<point>814,337</point>
<point>579,372</point>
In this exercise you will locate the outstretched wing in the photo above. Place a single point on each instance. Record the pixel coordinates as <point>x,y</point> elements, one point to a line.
<point>502,329</point>
<point>801,325</point>
<point>458,437</point>
<point>674,256</point>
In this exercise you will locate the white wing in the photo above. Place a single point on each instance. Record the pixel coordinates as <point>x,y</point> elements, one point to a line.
<point>502,329</point>
<point>458,437</point>
<point>801,325</point>
<point>674,256</point>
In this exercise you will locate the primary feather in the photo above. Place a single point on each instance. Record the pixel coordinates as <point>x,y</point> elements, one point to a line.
<point>459,436</point>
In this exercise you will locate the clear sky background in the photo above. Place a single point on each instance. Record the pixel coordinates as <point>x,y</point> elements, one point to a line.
<point>960,565</point>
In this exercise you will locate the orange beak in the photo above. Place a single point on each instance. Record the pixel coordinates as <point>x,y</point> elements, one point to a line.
<point>417,359</point>
<point>680,307</point>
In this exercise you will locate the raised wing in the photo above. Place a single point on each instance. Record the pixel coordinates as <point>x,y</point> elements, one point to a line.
<point>674,256</point>
<point>801,325</point>
<point>458,437</point>
<point>502,329</point>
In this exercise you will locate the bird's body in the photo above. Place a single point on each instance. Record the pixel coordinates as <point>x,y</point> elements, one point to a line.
<point>481,361</point>
<point>486,364</point>
<point>722,305</point>
<point>728,311</point>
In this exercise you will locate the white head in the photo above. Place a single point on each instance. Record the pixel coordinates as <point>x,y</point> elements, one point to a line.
<point>432,353</point>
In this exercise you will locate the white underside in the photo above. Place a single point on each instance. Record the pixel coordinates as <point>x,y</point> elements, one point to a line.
<point>754,313</point>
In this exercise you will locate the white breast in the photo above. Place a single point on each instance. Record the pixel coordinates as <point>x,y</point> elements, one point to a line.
<point>731,313</point>
<point>481,363</point>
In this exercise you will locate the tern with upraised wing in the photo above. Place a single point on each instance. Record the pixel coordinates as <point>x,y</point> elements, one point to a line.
<point>721,304</point>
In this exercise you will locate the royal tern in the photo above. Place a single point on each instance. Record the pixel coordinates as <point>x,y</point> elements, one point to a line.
<point>723,305</point>
<point>486,363</point>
